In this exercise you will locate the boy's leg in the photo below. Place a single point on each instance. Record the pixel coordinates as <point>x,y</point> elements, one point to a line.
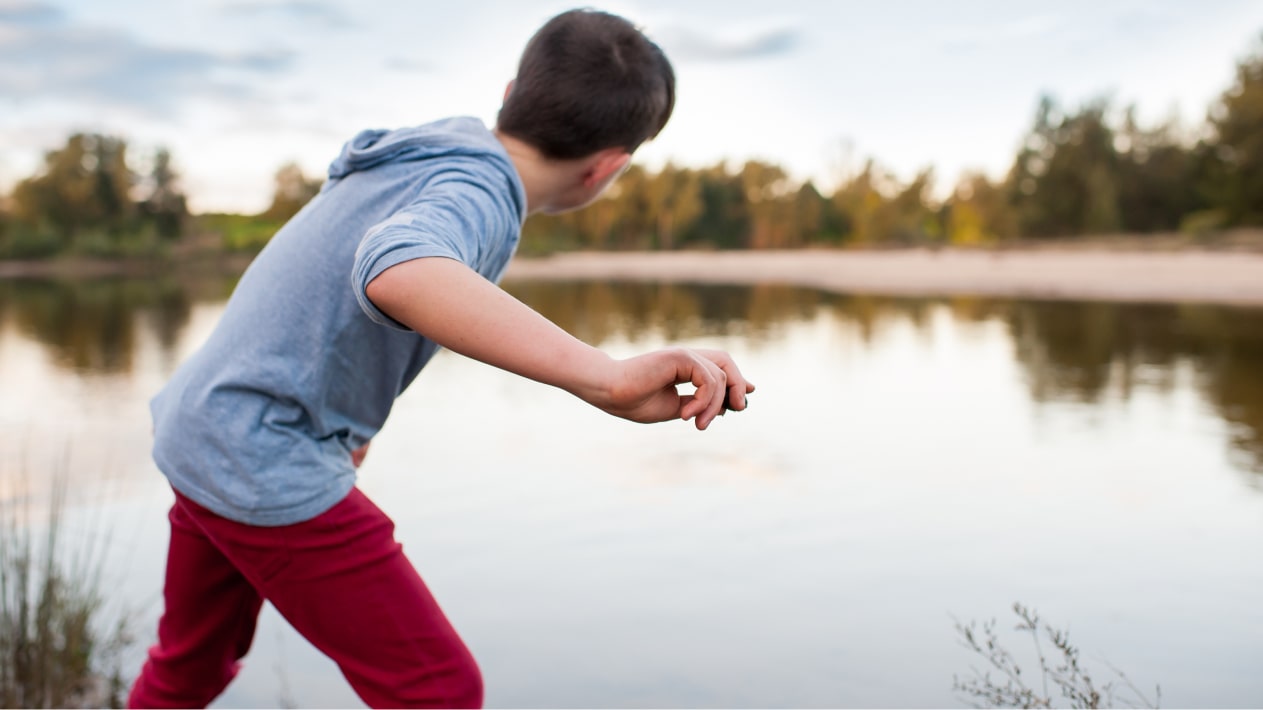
<point>347,587</point>
<point>206,627</point>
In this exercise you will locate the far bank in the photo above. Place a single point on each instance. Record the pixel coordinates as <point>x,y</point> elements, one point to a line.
<point>1067,272</point>
<point>1230,278</point>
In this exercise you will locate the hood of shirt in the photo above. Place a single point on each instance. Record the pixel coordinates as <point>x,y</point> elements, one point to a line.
<point>451,136</point>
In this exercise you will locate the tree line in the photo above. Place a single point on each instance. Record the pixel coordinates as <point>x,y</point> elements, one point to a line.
<point>1085,171</point>
<point>1078,172</point>
<point>90,197</point>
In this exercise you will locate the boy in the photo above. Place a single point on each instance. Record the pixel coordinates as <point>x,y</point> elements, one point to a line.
<point>260,432</point>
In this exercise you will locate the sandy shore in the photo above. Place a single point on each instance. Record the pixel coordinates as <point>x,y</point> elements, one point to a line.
<point>1076,274</point>
<point>1197,276</point>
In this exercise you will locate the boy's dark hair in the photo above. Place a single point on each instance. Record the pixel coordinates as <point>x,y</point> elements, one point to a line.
<point>587,81</point>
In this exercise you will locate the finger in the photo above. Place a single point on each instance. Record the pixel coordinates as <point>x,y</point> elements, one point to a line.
<point>704,381</point>
<point>693,369</point>
<point>734,399</point>
<point>685,400</point>
<point>662,406</point>
<point>738,385</point>
<point>716,396</point>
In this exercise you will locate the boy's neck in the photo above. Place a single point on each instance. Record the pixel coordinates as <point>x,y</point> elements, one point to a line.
<point>543,178</point>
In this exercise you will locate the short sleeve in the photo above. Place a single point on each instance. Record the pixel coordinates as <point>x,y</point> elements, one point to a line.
<point>455,217</point>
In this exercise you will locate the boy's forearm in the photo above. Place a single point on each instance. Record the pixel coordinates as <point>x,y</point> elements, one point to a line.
<point>457,308</point>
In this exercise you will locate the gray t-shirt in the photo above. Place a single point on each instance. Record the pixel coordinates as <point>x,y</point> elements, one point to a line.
<point>302,368</point>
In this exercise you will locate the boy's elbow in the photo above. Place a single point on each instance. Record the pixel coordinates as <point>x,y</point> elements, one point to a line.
<point>383,295</point>
<point>397,289</point>
<point>416,292</point>
<point>378,291</point>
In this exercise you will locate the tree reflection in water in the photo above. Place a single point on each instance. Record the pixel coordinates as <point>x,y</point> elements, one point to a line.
<point>1068,350</point>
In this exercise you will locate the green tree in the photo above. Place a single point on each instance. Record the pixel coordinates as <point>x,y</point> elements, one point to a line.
<point>165,205</point>
<point>293,190</point>
<point>1155,176</point>
<point>1234,166</point>
<point>859,201</point>
<point>810,216</point>
<point>632,222</point>
<point>978,212</point>
<point>912,220</point>
<point>674,198</point>
<point>877,209</point>
<point>84,185</point>
<point>724,221</point>
<point>767,192</point>
<point>1064,180</point>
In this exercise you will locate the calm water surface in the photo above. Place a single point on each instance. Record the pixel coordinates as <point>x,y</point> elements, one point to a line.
<point>903,464</point>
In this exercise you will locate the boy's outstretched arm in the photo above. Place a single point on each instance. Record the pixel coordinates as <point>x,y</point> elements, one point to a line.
<point>457,308</point>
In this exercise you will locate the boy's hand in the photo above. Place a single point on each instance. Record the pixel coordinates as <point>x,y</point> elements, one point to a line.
<point>644,387</point>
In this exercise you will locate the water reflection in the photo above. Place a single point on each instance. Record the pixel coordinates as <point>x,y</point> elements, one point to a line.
<point>598,311</point>
<point>1080,352</point>
<point>1068,350</point>
<point>1087,350</point>
<point>91,326</point>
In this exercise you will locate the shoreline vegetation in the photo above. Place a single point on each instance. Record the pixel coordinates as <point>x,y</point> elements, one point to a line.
<point>1148,268</point>
<point>61,645</point>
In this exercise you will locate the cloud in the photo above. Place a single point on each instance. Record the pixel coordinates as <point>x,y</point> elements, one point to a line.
<point>409,66</point>
<point>1020,30</point>
<point>272,60</point>
<point>29,13</point>
<point>57,59</point>
<point>312,11</point>
<point>271,122</point>
<point>685,43</point>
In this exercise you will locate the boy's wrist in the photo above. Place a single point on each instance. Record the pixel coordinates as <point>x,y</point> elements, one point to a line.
<point>595,378</point>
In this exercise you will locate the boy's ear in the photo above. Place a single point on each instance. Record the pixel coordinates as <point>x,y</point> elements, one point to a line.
<point>508,89</point>
<point>606,163</point>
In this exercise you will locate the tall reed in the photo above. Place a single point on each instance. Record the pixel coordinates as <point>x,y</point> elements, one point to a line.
<point>57,649</point>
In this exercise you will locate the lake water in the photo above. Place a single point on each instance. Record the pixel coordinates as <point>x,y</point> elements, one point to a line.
<point>904,464</point>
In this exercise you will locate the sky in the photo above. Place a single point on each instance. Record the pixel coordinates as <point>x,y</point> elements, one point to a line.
<point>235,88</point>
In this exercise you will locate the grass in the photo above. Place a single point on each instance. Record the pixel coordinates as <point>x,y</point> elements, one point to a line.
<point>237,232</point>
<point>1060,678</point>
<point>56,648</point>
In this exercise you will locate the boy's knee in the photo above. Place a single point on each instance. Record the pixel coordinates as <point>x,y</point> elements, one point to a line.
<point>179,685</point>
<point>455,683</point>
<point>467,689</point>
<point>460,684</point>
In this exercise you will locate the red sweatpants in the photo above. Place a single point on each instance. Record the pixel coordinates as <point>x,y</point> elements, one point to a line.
<point>340,579</point>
